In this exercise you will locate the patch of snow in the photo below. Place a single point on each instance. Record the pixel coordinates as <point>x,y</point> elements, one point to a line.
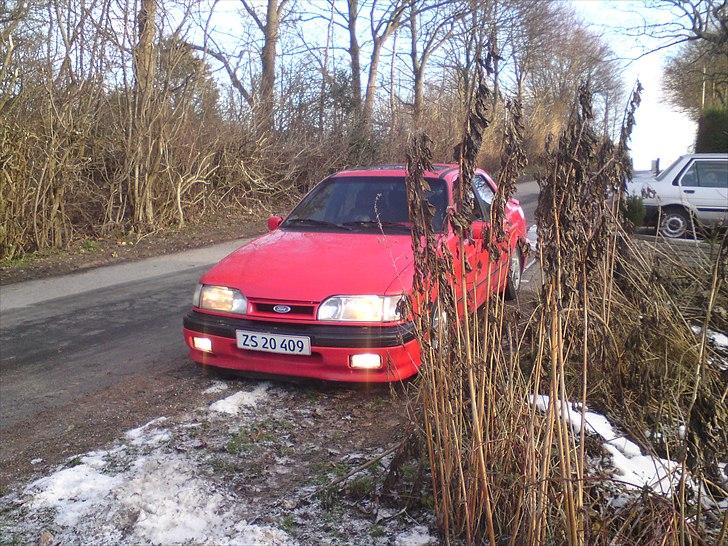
<point>36,461</point>
<point>73,492</point>
<point>718,339</point>
<point>631,467</point>
<point>148,434</point>
<point>216,387</point>
<point>720,363</point>
<point>249,399</point>
<point>417,536</point>
<point>595,423</point>
<point>191,425</point>
<point>639,471</point>
<point>152,499</point>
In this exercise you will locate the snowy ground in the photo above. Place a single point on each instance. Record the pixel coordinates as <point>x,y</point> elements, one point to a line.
<point>628,472</point>
<point>240,470</point>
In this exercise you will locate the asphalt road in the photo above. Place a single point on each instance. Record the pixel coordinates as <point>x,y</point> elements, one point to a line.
<point>66,337</point>
<point>527,194</point>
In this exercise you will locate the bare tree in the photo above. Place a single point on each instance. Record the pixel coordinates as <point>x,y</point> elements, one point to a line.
<point>260,96</point>
<point>425,39</point>
<point>384,20</point>
<point>696,77</point>
<point>692,20</point>
<point>269,26</point>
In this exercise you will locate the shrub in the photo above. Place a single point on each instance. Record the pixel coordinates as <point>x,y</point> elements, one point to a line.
<point>634,210</point>
<point>712,134</point>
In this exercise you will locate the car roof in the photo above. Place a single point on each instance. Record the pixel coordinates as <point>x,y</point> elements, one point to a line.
<point>707,156</point>
<point>439,170</point>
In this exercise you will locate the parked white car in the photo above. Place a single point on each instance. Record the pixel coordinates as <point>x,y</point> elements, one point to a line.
<point>691,192</point>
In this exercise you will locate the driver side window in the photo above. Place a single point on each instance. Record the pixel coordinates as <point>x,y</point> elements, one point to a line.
<point>484,193</point>
<point>478,213</point>
<point>690,177</point>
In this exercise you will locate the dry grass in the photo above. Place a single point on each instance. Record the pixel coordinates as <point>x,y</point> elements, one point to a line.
<point>611,329</point>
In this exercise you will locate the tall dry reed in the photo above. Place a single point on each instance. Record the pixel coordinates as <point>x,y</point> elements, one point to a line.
<point>606,329</point>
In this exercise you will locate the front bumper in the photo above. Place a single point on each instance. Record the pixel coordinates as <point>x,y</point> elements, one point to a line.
<point>331,348</point>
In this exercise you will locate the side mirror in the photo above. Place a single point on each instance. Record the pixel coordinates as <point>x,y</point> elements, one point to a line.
<point>274,222</point>
<point>478,229</point>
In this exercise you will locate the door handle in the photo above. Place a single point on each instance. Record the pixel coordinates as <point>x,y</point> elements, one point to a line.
<point>689,191</point>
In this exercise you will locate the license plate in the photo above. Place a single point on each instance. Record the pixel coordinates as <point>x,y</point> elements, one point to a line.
<point>273,343</point>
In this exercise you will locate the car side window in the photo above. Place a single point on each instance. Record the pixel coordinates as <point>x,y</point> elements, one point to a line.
<point>484,193</point>
<point>712,174</point>
<point>690,177</point>
<point>477,209</point>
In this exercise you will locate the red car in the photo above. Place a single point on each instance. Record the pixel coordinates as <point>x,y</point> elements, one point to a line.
<point>321,295</point>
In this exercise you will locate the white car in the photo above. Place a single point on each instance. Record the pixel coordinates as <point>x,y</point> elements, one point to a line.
<point>691,192</point>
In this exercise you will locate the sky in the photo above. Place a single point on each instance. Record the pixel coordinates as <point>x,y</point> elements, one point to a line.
<point>662,131</point>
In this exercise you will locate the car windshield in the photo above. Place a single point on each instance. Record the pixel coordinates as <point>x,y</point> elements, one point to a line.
<point>362,203</point>
<point>664,172</point>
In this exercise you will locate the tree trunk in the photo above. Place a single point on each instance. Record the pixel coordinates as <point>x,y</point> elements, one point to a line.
<point>268,69</point>
<point>496,55</point>
<point>392,97</point>
<point>144,54</point>
<point>144,142</point>
<point>355,55</point>
<point>368,109</point>
<point>417,71</point>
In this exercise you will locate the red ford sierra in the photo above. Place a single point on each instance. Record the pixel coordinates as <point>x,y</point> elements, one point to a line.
<point>321,295</point>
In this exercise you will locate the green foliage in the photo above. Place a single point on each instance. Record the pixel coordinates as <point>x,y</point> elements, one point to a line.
<point>90,245</point>
<point>712,131</point>
<point>361,487</point>
<point>634,210</point>
<point>221,465</point>
<point>288,523</point>
<point>239,443</point>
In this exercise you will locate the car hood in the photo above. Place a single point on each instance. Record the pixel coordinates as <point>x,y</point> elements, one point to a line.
<point>311,266</point>
<point>639,182</point>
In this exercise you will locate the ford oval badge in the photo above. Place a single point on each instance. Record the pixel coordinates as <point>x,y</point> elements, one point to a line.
<point>282,309</point>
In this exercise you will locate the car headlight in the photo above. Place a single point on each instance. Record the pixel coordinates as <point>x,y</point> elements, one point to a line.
<point>220,298</point>
<point>362,308</point>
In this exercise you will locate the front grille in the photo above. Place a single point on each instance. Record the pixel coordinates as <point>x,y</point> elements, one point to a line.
<point>302,310</point>
<point>322,335</point>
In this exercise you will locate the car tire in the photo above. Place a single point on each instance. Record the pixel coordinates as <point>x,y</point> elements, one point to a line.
<point>675,223</point>
<point>515,270</point>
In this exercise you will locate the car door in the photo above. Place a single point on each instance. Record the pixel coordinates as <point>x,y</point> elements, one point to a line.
<point>490,271</point>
<point>704,186</point>
<point>473,248</point>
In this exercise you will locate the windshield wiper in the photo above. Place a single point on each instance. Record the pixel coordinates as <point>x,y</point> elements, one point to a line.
<point>314,222</point>
<point>376,223</point>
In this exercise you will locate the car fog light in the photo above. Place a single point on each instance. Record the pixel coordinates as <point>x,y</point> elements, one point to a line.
<point>366,361</point>
<point>202,344</point>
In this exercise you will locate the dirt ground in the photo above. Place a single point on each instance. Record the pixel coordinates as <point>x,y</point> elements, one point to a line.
<point>89,253</point>
<point>271,462</point>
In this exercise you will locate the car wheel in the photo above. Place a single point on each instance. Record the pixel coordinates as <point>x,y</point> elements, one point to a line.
<point>675,223</point>
<point>515,269</point>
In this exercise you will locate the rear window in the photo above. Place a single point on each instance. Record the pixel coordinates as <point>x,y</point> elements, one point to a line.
<point>364,204</point>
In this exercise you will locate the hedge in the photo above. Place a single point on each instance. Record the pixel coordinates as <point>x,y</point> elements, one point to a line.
<point>712,134</point>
